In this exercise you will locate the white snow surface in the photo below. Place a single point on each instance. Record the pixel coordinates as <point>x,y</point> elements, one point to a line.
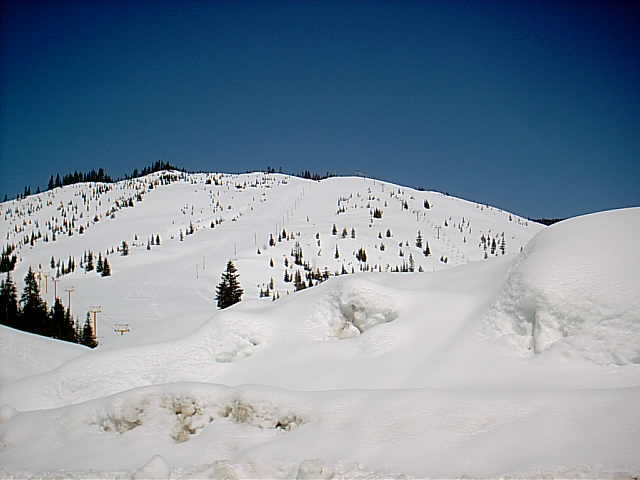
<point>575,290</point>
<point>524,364</point>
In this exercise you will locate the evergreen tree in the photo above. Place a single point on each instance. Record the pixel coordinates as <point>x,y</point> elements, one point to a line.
<point>100,264</point>
<point>106,268</point>
<point>8,302</point>
<point>89,264</point>
<point>34,316</point>
<point>229,291</point>
<point>124,249</point>
<point>88,338</point>
<point>57,321</point>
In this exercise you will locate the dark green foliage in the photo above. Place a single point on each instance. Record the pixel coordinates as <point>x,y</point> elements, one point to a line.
<point>88,338</point>
<point>8,302</point>
<point>106,268</point>
<point>34,316</point>
<point>7,260</point>
<point>61,325</point>
<point>228,291</point>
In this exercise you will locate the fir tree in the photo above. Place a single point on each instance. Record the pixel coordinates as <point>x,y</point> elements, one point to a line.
<point>89,264</point>
<point>229,291</point>
<point>8,302</point>
<point>88,338</point>
<point>34,311</point>
<point>124,249</point>
<point>61,324</point>
<point>106,268</point>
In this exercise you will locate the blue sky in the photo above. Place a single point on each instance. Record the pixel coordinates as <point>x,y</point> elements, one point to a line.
<point>534,107</point>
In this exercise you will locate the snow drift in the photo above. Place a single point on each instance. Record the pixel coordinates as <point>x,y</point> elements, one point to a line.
<point>575,290</point>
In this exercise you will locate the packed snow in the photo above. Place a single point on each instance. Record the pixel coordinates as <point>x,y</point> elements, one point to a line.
<point>517,364</point>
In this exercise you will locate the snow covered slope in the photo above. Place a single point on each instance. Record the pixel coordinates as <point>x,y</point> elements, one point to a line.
<point>520,365</point>
<point>24,354</point>
<point>150,288</point>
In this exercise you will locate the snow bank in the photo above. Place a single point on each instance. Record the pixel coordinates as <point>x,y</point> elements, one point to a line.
<point>338,434</point>
<point>575,290</point>
<point>25,354</point>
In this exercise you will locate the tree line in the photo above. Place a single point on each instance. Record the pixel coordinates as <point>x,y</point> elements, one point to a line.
<point>99,175</point>
<point>31,313</point>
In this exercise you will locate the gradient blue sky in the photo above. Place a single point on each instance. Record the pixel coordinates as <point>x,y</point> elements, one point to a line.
<point>534,107</point>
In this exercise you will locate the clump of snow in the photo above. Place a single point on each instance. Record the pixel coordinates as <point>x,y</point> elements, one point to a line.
<point>574,290</point>
<point>156,468</point>
<point>122,416</point>
<point>314,469</point>
<point>357,305</point>
<point>7,412</point>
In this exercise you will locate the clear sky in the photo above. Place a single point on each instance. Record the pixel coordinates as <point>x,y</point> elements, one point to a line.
<point>531,106</point>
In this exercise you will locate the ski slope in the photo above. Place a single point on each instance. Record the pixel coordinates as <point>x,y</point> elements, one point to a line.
<point>149,289</point>
<point>525,364</point>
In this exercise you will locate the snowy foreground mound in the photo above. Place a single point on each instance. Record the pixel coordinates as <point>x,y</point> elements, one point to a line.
<point>524,365</point>
<point>575,290</point>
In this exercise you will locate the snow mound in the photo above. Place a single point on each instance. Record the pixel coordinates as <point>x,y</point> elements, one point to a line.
<point>574,290</point>
<point>31,354</point>
<point>356,305</point>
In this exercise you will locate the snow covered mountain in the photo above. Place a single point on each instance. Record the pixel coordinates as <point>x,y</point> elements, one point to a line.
<point>204,220</point>
<point>522,364</point>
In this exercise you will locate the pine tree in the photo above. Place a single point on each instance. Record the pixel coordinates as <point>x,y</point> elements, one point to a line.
<point>89,264</point>
<point>34,311</point>
<point>8,302</point>
<point>57,320</point>
<point>124,249</point>
<point>106,268</point>
<point>88,338</point>
<point>229,291</point>
<point>99,265</point>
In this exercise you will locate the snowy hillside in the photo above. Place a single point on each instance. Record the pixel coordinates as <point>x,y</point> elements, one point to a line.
<point>233,217</point>
<point>523,364</point>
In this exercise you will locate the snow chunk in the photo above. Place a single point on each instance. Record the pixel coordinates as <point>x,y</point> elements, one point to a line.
<point>574,290</point>
<point>314,469</point>
<point>357,305</point>
<point>7,412</point>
